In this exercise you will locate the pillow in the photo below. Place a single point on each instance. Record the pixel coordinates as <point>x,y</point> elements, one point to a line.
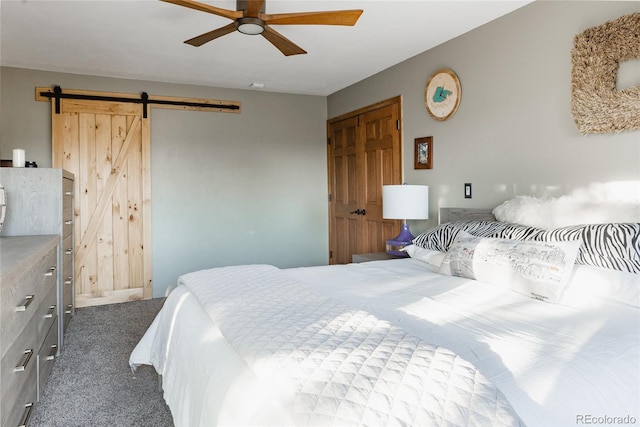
<point>441,237</point>
<point>615,246</point>
<point>549,213</point>
<point>539,270</point>
<point>438,238</point>
<point>516,232</point>
<point>433,258</point>
<point>589,281</point>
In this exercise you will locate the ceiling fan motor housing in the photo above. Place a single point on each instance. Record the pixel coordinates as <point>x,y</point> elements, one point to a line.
<point>242,5</point>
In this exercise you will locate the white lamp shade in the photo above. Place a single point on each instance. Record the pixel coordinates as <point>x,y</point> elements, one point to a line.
<point>405,202</point>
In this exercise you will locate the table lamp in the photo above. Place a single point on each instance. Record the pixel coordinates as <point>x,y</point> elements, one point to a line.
<point>404,202</point>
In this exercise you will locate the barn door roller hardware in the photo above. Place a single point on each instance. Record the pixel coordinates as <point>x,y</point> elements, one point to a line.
<point>161,102</point>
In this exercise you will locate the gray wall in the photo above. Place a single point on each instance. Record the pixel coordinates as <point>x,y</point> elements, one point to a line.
<point>226,188</point>
<point>513,132</point>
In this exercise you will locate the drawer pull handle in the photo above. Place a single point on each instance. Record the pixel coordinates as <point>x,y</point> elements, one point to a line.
<point>68,281</point>
<point>28,409</point>
<point>25,361</point>
<point>68,252</point>
<point>52,311</point>
<point>69,222</point>
<point>68,193</point>
<point>51,270</point>
<point>27,300</point>
<point>52,353</point>
<point>68,310</point>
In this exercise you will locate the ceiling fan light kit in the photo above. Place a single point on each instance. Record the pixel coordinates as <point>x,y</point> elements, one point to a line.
<point>250,18</point>
<point>250,26</point>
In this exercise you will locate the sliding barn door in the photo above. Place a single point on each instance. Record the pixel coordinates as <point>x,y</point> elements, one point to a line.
<point>364,154</point>
<point>106,145</point>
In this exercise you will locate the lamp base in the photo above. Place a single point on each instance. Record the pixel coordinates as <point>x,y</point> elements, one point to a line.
<point>403,239</point>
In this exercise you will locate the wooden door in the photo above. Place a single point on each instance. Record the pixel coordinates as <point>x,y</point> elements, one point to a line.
<point>364,154</point>
<point>106,145</point>
<point>344,221</point>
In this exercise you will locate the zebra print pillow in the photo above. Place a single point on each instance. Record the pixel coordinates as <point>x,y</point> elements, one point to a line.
<point>441,237</point>
<point>615,245</point>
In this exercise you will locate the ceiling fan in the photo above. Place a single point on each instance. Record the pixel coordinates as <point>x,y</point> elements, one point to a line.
<point>250,18</point>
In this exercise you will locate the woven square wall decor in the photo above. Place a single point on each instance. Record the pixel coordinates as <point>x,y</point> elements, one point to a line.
<point>596,104</point>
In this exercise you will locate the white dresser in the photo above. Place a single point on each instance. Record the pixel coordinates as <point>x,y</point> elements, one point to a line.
<point>28,322</point>
<point>41,201</point>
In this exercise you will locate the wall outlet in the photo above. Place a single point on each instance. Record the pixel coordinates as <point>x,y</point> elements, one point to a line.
<point>467,190</point>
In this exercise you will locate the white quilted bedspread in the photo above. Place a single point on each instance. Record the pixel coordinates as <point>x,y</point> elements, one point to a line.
<point>332,365</point>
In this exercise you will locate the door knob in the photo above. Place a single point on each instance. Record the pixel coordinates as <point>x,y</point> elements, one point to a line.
<point>359,212</point>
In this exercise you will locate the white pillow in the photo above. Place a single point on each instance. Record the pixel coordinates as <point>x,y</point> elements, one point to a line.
<point>589,281</point>
<point>549,213</point>
<point>540,270</point>
<point>431,257</point>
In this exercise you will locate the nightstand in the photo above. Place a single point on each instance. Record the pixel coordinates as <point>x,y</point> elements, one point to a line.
<point>374,256</point>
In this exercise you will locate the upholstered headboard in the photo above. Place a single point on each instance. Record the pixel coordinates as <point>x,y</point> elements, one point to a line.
<point>465,214</point>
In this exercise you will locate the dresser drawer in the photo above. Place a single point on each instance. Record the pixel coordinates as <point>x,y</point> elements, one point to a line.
<point>46,358</point>
<point>46,315</point>
<point>67,187</point>
<point>68,283</point>
<point>66,309</point>
<point>20,414</point>
<point>18,370</point>
<point>67,250</point>
<point>67,273</point>
<point>20,300</point>
<point>67,207</point>
<point>67,226</point>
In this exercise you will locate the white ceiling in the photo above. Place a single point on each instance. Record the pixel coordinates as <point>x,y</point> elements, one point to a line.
<point>144,40</point>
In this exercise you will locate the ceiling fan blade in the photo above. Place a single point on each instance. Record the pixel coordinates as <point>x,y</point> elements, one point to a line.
<point>284,45</point>
<point>192,4</point>
<point>336,17</point>
<point>254,7</point>
<point>211,35</point>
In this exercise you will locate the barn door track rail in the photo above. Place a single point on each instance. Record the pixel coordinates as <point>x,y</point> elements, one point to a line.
<point>197,104</point>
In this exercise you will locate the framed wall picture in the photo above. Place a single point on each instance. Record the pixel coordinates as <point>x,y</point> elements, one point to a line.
<point>423,158</point>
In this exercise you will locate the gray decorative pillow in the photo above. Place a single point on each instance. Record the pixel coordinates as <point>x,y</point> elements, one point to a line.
<point>614,245</point>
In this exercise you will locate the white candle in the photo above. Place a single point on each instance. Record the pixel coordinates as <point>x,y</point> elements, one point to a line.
<point>18,158</point>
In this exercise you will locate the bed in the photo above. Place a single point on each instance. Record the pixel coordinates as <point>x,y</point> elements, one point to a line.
<point>488,322</point>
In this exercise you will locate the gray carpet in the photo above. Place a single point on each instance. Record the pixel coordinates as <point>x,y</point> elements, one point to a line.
<point>91,383</point>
